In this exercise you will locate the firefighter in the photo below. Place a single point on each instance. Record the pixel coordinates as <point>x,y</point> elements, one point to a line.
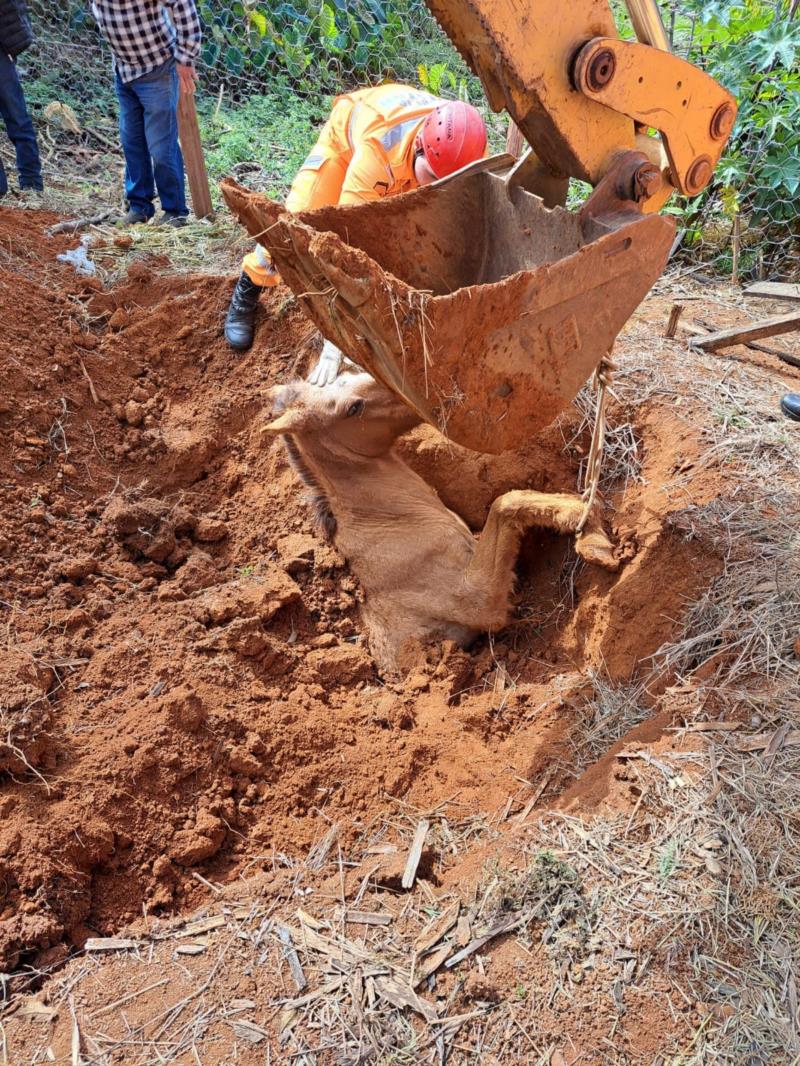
<point>377,142</point>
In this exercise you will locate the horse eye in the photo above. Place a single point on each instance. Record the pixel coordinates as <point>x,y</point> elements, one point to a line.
<point>355,408</point>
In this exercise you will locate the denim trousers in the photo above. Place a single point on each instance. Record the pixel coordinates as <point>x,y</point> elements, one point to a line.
<point>148,126</point>
<point>19,128</point>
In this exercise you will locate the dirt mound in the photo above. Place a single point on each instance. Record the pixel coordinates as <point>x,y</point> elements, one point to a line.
<point>186,683</point>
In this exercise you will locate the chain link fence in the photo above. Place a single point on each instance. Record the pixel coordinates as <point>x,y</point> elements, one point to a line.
<point>268,73</point>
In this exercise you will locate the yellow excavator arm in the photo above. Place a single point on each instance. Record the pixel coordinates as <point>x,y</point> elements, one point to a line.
<point>578,93</point>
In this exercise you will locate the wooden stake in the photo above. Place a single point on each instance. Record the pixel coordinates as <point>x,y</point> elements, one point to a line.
<point>194,161</point>
<point>736,245</point>
<point>674,317</point>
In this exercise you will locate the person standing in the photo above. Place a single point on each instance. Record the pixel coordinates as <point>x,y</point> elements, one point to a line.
<point>15,36</point>
<point>155,44</point>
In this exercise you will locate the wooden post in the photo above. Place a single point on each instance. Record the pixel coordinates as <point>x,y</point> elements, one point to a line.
<point>674,316</point>
<point>735,250</point>
<point>192,148</point>
<point>515,142</point>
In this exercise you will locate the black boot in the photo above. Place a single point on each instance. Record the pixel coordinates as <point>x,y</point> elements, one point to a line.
<point>240,321</point>
<point>790,405</point>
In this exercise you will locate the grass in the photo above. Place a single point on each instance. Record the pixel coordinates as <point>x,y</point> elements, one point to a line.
<point>261,142</point>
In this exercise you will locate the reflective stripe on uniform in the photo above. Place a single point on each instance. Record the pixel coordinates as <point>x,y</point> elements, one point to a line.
<point>350,124</point>
<point>395,135</point>
<point>313,161</point>
<point>407,98</point>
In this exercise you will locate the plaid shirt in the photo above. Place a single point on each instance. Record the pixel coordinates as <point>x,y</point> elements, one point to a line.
<point>142,37</point>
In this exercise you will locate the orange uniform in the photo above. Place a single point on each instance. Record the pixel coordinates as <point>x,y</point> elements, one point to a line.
<point>364,152</point>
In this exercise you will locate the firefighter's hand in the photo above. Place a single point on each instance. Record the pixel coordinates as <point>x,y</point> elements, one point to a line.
<point>327,369</point>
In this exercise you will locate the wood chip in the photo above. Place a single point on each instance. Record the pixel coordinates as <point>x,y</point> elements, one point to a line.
<point>242,1004</point>
<point>431,963</point>
<point>364,917</point>
<point>335,948</point>
<point>713,727</point>
<point>762,741</point>
<point>505,926</point>
<point>309,920</point>
<point>202,925</point>
<point>437,928</point>
<point>248,1031</point>
<point>292,957</point>
<point>415,854</point>
<point>400,995</point>
<point>110,943</point>
<point>33,1008</point>
<point>190,949</point>
<point>382,849</point>
<point>463,933</point>
<point>323,990</point>
<point>765,327</point>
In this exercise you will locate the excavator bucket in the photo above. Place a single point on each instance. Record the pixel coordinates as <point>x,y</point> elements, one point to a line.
<point>480,307</point>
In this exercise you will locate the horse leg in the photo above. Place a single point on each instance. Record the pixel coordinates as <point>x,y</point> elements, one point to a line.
<point>490,572</point>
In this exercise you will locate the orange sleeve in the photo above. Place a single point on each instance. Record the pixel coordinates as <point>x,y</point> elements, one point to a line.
<point>369,176</point>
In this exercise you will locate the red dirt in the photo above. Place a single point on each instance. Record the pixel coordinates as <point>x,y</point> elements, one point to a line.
<point>185,686</point>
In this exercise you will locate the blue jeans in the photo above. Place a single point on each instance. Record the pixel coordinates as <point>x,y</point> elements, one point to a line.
<point>148,127</point>
<point>19,127</point>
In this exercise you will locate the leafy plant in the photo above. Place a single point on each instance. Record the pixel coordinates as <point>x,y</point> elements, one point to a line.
<point>753,48</point>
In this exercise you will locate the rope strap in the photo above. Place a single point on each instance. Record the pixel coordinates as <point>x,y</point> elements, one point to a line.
<point>594,465</point>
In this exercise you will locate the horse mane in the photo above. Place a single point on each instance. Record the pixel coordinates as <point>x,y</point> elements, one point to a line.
<point>323,515</point>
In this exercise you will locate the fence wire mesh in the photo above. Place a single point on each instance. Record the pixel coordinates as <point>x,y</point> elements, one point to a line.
<point>268,73</point>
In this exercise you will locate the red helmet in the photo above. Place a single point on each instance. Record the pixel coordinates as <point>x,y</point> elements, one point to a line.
<point>454,134</point>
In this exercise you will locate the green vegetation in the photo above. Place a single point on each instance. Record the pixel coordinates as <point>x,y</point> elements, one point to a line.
<point>752,47</point>
<point>318,44</point>
<point>263,140</point>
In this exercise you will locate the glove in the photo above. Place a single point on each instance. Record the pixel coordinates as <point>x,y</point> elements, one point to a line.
<point>327,369</point>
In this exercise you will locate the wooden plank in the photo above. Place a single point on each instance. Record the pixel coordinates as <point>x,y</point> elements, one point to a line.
<point>193,158</point>
<point>410,872</point>
<point>774,290</point>
<point>700,329</point>
<point>765,327</point>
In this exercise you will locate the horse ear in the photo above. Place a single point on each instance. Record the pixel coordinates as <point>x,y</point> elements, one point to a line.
<point>288,422</point>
